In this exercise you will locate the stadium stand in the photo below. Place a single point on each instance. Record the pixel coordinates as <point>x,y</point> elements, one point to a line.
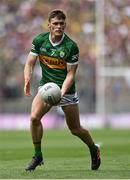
<point>21,20</point>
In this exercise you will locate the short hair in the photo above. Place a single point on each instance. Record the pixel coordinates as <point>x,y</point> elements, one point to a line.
<point>56,13</point>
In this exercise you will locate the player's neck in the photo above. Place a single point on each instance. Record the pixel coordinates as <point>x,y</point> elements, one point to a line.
<point>56,39</point>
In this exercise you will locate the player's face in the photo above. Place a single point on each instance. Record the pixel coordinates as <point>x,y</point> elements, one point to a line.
<point>57,26</point>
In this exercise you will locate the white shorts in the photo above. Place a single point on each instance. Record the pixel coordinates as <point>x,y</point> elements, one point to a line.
<point>68,99</point>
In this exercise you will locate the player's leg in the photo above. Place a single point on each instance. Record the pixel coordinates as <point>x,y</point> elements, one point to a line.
<point>39,109</point>
<point>73,123</point>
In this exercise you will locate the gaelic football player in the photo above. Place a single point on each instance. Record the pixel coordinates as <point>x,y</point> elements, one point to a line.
<point>58,55</point>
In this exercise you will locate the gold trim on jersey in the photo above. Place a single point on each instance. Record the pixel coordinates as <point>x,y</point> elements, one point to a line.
<point>53,62</point>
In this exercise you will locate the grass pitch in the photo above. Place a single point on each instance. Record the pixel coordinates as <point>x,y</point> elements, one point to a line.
<point>66,157</point>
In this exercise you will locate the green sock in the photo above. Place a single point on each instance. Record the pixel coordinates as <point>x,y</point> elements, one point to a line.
<point>93,149</point>
<point>37,147</point>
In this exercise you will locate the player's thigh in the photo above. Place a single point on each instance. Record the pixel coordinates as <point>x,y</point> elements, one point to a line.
<point>72,116</point>
<point>39,107</point>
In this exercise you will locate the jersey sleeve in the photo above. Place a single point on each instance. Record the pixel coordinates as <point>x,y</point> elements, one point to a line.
<point>74,55</point>
<point>35,47</point>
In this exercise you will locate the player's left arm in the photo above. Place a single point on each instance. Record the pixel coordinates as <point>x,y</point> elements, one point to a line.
<point>72,64</point>
<point>71,69</point>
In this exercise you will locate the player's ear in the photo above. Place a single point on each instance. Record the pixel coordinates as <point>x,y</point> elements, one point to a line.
<point>65,24</point>
<point>49,25</point>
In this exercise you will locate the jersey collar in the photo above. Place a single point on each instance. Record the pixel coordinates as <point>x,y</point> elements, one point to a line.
<point>57,43</point>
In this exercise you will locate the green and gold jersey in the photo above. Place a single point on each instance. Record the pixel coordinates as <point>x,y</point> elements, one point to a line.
<point>55,57</point>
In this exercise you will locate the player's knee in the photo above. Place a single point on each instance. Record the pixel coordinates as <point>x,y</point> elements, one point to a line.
<point>35,121</point>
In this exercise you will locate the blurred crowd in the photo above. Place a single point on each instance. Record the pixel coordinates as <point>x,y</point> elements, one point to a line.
<point>117,54</point>
<point>117,31</point>
<point>21,20</point>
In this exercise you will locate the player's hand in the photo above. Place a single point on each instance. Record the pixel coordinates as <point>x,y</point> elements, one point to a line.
<point>62,93</point>
<point>27,89</point>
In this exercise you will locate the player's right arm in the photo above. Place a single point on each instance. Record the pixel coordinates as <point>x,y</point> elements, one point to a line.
<point>28,71</point>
